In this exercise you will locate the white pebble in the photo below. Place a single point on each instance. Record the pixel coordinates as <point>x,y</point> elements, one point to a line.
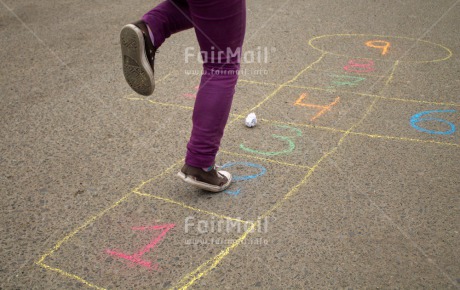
<point>251,120</point>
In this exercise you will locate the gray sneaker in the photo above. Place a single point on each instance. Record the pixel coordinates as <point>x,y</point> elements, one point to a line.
<point>214,181</point>
<point>138,53</point>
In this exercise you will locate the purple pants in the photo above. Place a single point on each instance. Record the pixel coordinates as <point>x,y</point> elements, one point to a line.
<point>219,27</point>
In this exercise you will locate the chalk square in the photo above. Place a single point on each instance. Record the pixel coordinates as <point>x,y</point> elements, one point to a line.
<point>341,81</point>
<point>180,90</point>
<point>103,254</point>
<point>258,184</point>
<point>413,120</point>
<point>354,66</point>
<point>283,142</point>
<point>315,107</point>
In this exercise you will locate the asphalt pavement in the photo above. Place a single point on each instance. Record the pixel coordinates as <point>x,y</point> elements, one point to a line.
<point>350,179</point>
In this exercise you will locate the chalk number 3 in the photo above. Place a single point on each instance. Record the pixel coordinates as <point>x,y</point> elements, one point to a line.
<point>287,139</point>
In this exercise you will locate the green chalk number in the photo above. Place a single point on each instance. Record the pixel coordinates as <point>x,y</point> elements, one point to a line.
<point>289,140</point>
<point>346,80</point>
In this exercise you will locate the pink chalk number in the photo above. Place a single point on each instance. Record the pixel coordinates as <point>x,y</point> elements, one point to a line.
<point>136,258</point>
<point>360,66</point>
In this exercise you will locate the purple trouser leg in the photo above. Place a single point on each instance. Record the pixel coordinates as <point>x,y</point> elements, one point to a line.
<point>220,27</point>
<point>168,17</point>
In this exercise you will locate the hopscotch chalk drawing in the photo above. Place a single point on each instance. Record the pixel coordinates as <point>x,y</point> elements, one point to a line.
<point>355,70</point>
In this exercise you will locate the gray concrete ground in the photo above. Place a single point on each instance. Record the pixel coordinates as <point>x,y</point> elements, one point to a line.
<point>350,179</point>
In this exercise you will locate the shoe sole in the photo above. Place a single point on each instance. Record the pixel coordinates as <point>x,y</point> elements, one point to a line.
<point>206,186</point>
<point>136,68</point>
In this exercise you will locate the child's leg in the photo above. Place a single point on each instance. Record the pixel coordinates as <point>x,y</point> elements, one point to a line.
<point>220,27</point>
<point>168,17</point>
<point>140,40</point>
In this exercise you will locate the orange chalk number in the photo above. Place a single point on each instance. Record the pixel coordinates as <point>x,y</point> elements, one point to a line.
<point>384,46</point>
<point>322,109</point>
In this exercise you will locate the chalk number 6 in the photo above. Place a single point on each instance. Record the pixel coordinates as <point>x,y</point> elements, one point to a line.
<point>419,117</point>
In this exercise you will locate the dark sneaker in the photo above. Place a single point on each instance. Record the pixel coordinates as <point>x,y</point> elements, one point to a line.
<point>138,55</point>
<point>214,181</point>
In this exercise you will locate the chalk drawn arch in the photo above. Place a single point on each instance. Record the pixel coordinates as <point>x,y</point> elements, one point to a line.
<point>403,49</point>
